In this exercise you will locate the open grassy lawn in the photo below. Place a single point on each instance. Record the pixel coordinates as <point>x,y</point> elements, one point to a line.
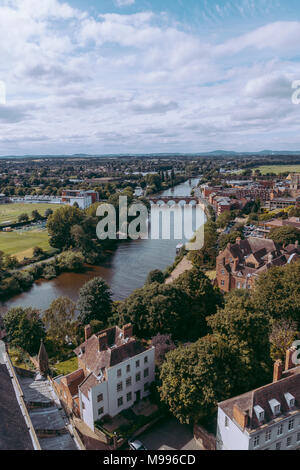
<point>9,213</point>
<point>277,169</point>
<point>66,367</point>
<point>21,244</point>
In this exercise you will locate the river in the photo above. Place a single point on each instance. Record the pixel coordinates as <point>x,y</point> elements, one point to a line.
<point>125,270</point>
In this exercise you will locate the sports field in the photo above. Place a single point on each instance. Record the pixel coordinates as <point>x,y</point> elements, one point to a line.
<point>9,213</point>
<point>277,169</point>
<point>21,243</point>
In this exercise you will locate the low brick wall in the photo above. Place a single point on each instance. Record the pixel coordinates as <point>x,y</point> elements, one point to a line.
<point>205,440</point>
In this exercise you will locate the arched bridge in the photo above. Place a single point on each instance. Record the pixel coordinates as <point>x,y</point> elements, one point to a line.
<point>175,199</point>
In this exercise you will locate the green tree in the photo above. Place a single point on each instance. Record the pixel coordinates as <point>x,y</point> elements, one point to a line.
<point>71,261</point>
<point>25,328</point>
<point>285,235</point>
<point>23,217</point>
<point>195,378</point>
<point>155,276</point>
<point>60,224</point>
<point>59,320</point>
<point>277,292</point>
<point>95,301</point>
<point>203,299</point>
<point>283,334</point>
<point>156,308</point>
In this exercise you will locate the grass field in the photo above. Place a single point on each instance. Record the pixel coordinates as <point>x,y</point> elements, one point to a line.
<point>277,169</point>
<point>9,213</point>
<point>21,244</point>
<point>67,367</point>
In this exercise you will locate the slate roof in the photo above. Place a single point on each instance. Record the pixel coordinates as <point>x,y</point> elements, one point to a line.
<point>14,434</point>
<point>290,383</point>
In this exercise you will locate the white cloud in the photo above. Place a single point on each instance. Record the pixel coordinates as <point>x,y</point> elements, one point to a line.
<point>136,82</point>
<point>123,3</point>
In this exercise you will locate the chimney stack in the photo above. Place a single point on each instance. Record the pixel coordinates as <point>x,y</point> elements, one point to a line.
<point>103,342</point>
<point>278,367</point>
<point>289,364</point>
<point>238,240</point>
<point>235,264</point>
<point>87,332</point>
<point>241,417</point>
<point>128,331</point>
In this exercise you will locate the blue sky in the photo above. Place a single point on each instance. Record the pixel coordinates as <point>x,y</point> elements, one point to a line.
<point>121,76</point>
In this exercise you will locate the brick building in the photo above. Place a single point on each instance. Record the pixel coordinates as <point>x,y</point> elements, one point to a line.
<point>240,263</point>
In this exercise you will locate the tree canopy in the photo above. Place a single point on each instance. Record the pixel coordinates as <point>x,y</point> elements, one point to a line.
<point>95,301</point>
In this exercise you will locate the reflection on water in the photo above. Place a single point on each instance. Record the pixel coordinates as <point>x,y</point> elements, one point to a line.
<point>124,271</point>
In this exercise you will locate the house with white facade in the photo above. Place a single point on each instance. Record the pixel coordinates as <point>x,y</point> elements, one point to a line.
<point>267,418</point>
<point>115,371</point>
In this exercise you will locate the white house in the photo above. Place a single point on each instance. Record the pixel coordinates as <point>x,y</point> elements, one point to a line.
<point>267,418</point>
<point>118,371</point>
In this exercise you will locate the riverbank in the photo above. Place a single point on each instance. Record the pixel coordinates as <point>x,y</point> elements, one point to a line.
<point>124,270</point>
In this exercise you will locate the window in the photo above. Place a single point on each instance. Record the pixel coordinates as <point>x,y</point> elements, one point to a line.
<point>137,364</point>
<point>83,406</point>
<point>119,373</point>
<point>146,387</point>
<point>128,368</point>
<point>100,411</point>
<point>256,441</point>
<point>120,402</point>
<point>226,422</point>
<point>128,382</point>
<point>280,430</point>
<point>138,377</point>
<point>120,387</point>
<point>277,409</point>
<point>298,437</point>
<point>291,424</point>
<point>146,360</point>
<point>146,372</point>
<point>278,445</point>
<point>289,442</point>
<point>268,435</point>
<point>222,283</point>
<point>129,396</point>
<point>100,397</point>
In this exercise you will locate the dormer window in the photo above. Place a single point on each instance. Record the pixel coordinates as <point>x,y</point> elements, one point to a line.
<point>290,399</point>
<point>275,406</point>
<point>260,413</point>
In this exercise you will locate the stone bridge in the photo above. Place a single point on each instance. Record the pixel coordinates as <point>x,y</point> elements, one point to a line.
<point>174,199</point>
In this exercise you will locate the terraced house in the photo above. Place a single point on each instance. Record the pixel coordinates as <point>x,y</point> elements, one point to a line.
<point>114,371</point>
<point>267,418</point>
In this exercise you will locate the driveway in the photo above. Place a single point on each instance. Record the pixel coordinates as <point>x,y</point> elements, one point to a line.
<point>169,434</point>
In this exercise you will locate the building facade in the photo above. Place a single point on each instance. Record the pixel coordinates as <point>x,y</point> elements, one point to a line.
<point>115,371</point>
<point>239,265</point>
<point>267,418</point>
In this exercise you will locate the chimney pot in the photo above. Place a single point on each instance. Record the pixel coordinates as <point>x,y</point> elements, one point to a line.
<point>289,364</point>
<point>278,367</point>
<point>87,332</point>
<point>128,331</point>
<point>103,342</point>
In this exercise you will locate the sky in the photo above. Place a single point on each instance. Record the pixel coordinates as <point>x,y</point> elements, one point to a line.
<point>148,76</point>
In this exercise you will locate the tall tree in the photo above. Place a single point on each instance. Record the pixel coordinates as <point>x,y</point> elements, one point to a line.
<point>95,301</point>
<point>195,378</point>
<point>60,224</point>
<point>25,328</point>
<point>59,320</point>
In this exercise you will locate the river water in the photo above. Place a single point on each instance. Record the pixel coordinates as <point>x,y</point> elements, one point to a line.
<point>125,270</point>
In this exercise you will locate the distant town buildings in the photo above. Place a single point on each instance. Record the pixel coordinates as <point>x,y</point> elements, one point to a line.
<point>267,418</point>
<point>240,263</point>
<point>84,199</point>
<point>114,371</point>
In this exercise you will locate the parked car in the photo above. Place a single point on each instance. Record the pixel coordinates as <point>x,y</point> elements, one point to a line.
<point>136,445</point>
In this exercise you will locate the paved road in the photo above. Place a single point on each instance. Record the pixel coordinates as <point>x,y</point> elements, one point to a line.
<point>169,434</point>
